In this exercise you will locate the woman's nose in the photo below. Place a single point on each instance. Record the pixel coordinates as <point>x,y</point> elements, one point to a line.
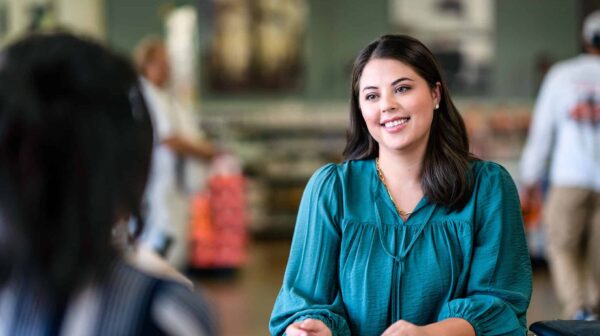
<point>388,102</point>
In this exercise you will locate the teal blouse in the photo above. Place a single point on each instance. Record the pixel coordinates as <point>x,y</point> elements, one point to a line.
<point>358,267</point>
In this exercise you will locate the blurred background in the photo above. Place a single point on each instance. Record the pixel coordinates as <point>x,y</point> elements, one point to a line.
<point>269,82</point>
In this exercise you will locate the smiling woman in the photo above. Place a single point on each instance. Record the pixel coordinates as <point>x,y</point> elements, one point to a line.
<point>397,106</point>
<point>411,235</point>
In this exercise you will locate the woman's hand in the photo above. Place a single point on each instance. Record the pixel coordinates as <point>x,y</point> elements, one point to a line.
<point>448,327</point>
<point>308,327</point>
<point>404,328</point>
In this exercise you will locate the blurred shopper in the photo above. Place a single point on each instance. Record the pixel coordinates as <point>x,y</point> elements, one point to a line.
<point>411,235</point>
<point>75,146</point>
<point>167,214</point>
<point>564,142</point>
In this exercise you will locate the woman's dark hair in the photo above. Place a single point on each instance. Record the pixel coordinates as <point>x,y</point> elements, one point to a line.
<point>75,146</point>
<point>446,176</point>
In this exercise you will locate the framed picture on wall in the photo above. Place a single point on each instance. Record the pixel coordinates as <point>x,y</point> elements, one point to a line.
<point>256,45</point>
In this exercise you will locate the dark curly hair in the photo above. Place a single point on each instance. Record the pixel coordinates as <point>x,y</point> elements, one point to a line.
<point>446,176</point>
<point>75,146</point>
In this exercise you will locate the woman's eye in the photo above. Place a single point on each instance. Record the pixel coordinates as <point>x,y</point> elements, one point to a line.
<point>402,89</point>
<point>370,96</point>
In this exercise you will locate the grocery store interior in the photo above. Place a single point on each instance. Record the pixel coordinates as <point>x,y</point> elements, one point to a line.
<point>269,83</point>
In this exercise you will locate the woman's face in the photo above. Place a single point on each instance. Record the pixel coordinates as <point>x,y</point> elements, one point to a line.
<point>397,105</point>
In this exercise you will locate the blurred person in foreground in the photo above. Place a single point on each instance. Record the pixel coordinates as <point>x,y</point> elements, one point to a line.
<point>177,141</point>
<point>411,235</point>
<point>75,146</point>
<point>564,143</point>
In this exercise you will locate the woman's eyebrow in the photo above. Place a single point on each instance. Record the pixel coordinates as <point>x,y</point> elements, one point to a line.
<point>401,79</point>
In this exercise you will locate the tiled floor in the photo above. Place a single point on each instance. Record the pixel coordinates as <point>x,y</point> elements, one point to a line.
<point>243,300</point>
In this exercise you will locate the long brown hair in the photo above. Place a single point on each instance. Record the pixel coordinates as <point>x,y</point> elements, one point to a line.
<point>446,176</point>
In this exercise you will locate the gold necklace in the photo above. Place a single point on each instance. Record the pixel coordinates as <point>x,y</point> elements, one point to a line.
<point>402,213</point>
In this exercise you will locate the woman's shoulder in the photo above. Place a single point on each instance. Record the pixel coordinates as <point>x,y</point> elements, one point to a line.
<point>487,169</point>
<point>193,309</point>
<point>490,174</point>
<point>164,294</point>
<point>345,171</point>
<point>126,276</point>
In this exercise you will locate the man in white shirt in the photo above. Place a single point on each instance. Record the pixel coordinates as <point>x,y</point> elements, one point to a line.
<point>564,143</point>
<point>167,214</point>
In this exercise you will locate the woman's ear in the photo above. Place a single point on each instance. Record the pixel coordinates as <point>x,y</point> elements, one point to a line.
<point>436,93</point>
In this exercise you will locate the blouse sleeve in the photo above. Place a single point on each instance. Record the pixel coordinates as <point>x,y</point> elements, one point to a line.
<point>499,283</point>
<point>310,286</point>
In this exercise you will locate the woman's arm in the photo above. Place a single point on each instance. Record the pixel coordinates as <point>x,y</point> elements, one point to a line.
<point>499,280</point>
<point>310,287</point>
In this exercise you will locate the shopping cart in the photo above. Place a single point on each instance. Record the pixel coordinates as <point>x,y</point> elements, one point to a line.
<point>565,328</point>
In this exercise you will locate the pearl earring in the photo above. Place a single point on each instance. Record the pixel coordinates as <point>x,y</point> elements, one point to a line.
<point>437,106</point>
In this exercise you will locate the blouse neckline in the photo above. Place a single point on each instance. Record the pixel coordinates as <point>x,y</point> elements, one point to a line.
<point>381,195</point>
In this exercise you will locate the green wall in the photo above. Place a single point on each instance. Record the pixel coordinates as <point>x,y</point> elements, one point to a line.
<point>527,29</point>
<point>338,29</point>
<point>128,21</point>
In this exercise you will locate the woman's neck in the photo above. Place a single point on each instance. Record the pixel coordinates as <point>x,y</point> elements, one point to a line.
<point>402,168</point>
<point>401,176</point>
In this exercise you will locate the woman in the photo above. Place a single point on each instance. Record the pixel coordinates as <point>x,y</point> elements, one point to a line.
<point>411,235</point>
<point>75,144</point>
